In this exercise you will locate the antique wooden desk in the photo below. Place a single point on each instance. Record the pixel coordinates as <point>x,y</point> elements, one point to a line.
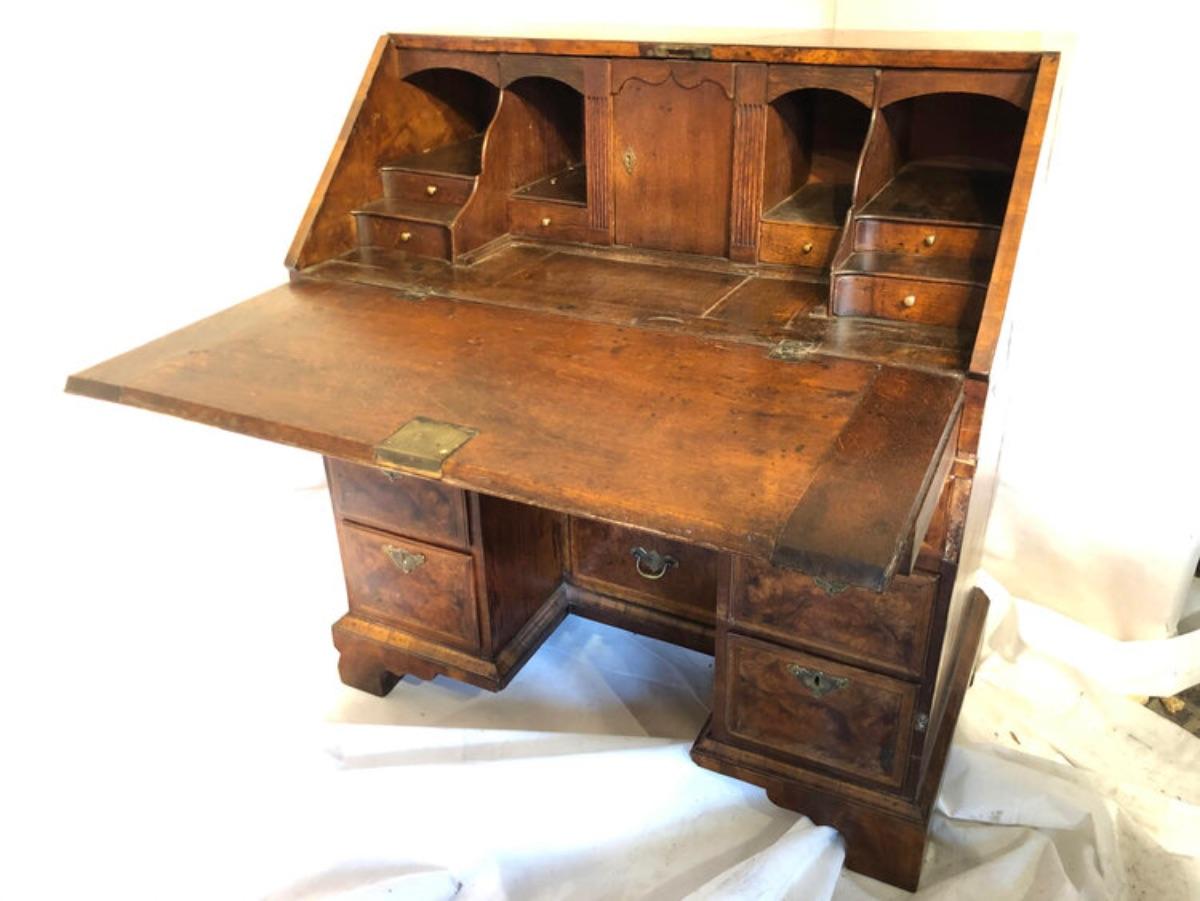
<point>694,340</point>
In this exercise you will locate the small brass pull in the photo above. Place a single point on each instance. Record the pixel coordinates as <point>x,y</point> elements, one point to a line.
<point>545,221</point>
<point>431,190</point>
<point>651,564</point>
<point>818,683</point>
<point>929,240</point>
<point>405,561</point>
<point>806,247</point>
<point>628,158</point>
<point>910,300</point>
<point>405,236</point>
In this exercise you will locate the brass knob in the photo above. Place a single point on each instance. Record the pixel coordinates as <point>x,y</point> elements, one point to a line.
<point>910,300</point>
<point>929,240</point>
<point>405,236</point>
<point>432,189</point>
<point>545,221</point>
<point>806,247</point>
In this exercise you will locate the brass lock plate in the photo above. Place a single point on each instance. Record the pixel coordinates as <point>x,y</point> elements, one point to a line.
<point>422,445</point>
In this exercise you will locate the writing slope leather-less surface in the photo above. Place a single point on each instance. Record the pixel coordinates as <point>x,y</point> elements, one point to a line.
<point>708,441</point>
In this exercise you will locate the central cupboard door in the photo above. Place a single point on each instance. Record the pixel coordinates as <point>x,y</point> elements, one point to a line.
<point>673,129</point>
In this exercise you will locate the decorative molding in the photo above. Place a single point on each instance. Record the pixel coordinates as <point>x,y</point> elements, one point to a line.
<point>598,115</point>
<point>749,144</point>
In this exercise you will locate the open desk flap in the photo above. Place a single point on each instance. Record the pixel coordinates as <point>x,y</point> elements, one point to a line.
<point>821,464</point>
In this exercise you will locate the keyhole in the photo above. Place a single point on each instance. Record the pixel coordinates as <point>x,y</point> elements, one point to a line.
<point>817,681</point>
<point>628,158</point>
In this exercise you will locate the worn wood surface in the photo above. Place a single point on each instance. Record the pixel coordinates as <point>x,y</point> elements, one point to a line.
<point>407,505</point>
<point>888,631</point>
<point>862,725</point>
<point>602,559</point>
<point>571,415</point>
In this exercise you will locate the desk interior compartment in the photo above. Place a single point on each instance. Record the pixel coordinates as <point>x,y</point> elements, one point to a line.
<point>813,143</point>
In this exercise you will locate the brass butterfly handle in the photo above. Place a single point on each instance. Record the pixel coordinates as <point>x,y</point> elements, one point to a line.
<point>651,564</point>
<point>405,561</point>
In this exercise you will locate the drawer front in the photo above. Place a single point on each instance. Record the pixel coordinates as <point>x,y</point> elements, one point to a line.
<point>403,185</point>
<point>541,219</point>
<point>888,631</point>
<point>816,710</point>
<point>420,588</point>
<point>796,244</point>
<point>925,240</point>
<point>932,303</point>
<point>422,238</point>
<point>416,507</point>
<point>602,558</point>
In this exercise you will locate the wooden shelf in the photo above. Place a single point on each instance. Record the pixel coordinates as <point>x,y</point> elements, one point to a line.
<point>816,203</point>
<point>961,192</point>
<point>460,158</point>
<point>567,186</point>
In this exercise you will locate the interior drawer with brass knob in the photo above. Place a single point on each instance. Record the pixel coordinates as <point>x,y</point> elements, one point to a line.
<point>645,568</point>
<point>887,631</point>
<point>537,218</point>
<point>814,709</point>
<point>412,506</point>
<point>926,239</point>
<point>405,185</point>
<point>948,304</point>
<point>797,243</point>
<point>417,587</point>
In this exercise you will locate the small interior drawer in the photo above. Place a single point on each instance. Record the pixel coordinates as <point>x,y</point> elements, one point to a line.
<point>796,244</point>
<point>419,508</point>
<point>681,579</point>
<point>418,587</point>
<point>933,303</point>
<point>546,219</point>
<point>429,187</point>
<point>422,238</point>
<point>888,631</point>
<point>933,240</point>
<point>814,709</point>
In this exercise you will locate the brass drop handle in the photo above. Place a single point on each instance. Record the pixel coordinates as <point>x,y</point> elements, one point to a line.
<point>405,561</point>
<point>818,683</point>
<point>930,239</point>
<point>910,301</point>
<point>806,247</point>
<point>406,236</point>
<point>651,564</point>
<point>431,190</point>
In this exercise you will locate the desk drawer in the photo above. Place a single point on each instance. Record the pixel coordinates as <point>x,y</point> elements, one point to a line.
<point>603,559</point>
<point>417,587</point>
<point>797,244</point>
<point>813,709</point>
<point>888,631</point>
<point>961,242</point>
<point>412,506</point>
<point>545,219</point>
<point>933,303</point>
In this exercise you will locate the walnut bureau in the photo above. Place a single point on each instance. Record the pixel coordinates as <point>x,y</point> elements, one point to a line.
<point>690,339</point>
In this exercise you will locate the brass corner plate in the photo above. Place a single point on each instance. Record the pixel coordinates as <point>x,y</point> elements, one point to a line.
<point>422,445</point>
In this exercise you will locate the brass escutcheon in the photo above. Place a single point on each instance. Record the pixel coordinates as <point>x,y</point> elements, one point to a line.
<point>818,683</point>
<point>628,159</point>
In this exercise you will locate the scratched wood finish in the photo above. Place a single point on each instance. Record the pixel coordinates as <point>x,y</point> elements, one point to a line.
<point>435,599</point>
<point>420,508</point>
<point>888,631</point>
<point>602,559</point>
<point>862,726</point>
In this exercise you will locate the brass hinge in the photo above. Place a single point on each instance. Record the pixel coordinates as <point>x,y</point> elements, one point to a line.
<point>791,350</point>
<point>676,51</point>
<point>422,445</point>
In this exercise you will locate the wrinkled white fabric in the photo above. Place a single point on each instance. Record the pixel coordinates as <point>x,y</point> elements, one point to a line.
<point>1051,791</point>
